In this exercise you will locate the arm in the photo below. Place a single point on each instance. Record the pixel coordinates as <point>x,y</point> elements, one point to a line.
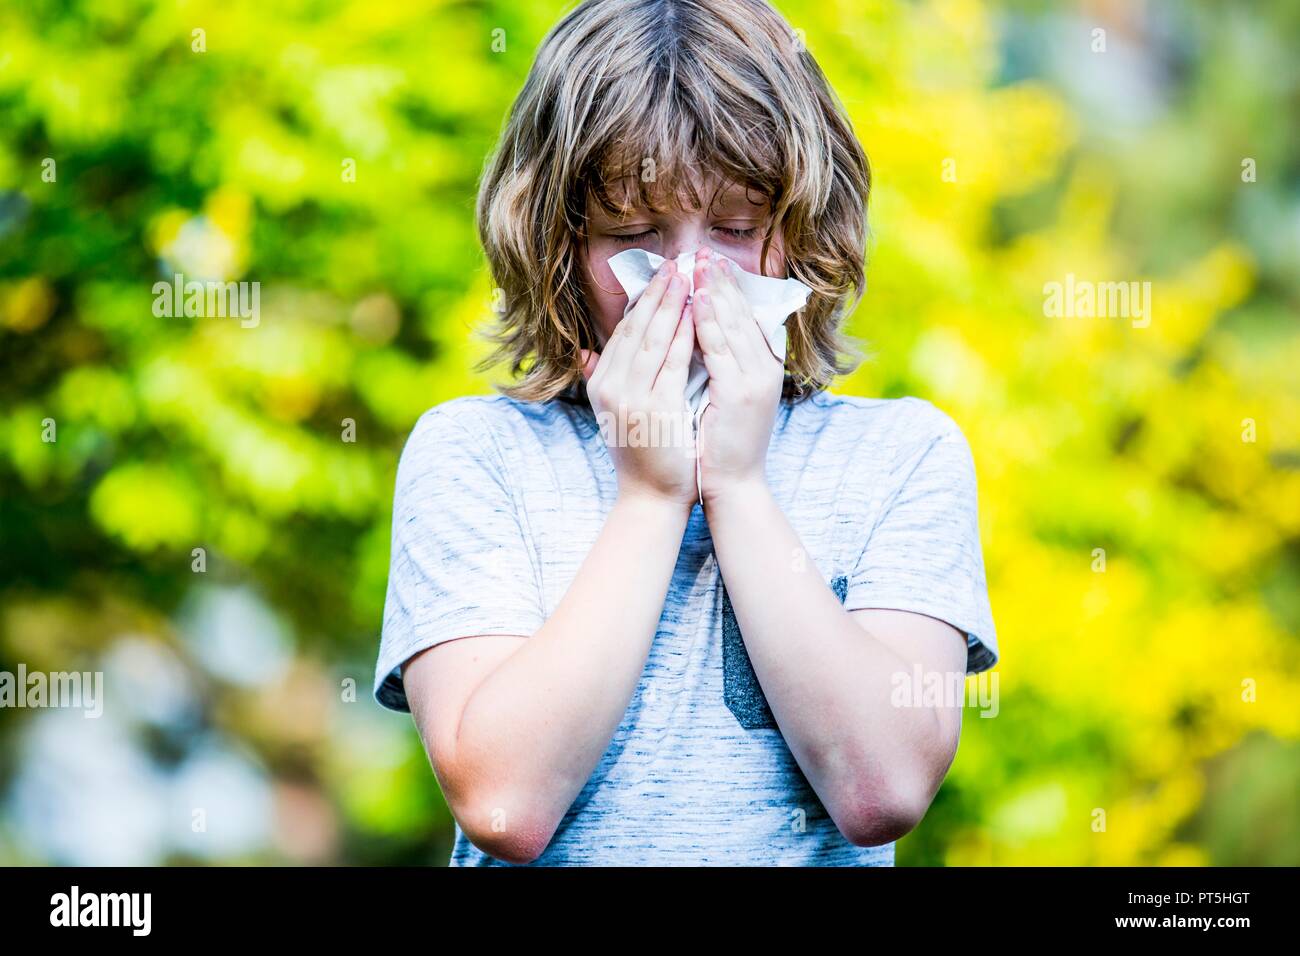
<point>828,674</point>
<point>514,727</point>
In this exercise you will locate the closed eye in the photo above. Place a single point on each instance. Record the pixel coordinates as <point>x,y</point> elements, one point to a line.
<point>633,237</point>
<point>742,234</point>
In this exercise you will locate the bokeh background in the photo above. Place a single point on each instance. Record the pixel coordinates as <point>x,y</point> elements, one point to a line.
<point>1008,152</point>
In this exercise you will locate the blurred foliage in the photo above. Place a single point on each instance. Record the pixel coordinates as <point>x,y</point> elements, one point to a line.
<point>1007,154</point>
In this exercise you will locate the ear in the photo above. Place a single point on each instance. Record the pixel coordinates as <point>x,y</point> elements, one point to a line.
<point>589,360</point>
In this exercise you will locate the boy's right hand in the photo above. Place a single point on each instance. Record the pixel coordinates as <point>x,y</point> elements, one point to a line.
<point>637,388</point>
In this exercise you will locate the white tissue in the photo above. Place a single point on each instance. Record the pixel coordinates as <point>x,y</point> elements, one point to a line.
<point>772,301</point>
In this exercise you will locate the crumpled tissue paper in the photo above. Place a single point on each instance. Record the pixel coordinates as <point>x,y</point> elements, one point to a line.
<point>772,300</point>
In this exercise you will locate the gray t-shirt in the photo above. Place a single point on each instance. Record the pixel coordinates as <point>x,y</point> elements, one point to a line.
<point>497,504</point>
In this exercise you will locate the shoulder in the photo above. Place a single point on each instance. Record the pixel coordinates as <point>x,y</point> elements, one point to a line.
<point>482,435</point>
<point>884,448</point>
<point>481,420</point>
<point>902,426</point>
<point>469,413</point>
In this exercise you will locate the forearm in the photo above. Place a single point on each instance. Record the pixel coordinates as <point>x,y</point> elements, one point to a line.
<point>827,680</point>
<point>533,731</point>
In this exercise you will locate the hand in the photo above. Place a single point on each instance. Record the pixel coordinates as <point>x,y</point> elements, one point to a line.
<point>637,388</point>
<point>745,380</point>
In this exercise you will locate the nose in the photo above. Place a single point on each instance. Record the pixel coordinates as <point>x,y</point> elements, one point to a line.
<point>686,237</point>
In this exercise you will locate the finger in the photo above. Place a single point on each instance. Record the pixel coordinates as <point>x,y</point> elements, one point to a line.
<point>626,327</point>
<point>702,260</point>
<point>717,274</point>
<point>631,330</point>
<point>718,357</point>
<point>671,380</point>
<point>595,364</point>
<point>660,332</point>
<point>644,360</point>
<point>744,336</point>
<point>723,312</point>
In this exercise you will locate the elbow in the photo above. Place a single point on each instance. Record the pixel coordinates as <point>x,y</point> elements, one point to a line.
<point>509,818</point>
<point>883,800</point>
<point>877,813</point>
<point>506,834</point>
<point>506,847</point>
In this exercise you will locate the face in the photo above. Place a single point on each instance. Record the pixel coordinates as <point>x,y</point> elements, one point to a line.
<point>734,226</point>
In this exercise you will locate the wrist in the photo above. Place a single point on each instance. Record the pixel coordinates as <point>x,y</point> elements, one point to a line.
<point>736,493</point>
<point>653,506</point>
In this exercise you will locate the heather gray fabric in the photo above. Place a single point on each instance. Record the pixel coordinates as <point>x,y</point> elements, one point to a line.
<point>497,504</point>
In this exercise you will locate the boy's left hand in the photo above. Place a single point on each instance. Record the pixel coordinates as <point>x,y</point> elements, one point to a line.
<point>745,380</point>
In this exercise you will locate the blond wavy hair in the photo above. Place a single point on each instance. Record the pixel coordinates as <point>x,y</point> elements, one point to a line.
<point>723,88</point>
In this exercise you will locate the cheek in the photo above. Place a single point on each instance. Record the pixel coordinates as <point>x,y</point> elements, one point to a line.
<point>748,258</point>
<point>605,297</point>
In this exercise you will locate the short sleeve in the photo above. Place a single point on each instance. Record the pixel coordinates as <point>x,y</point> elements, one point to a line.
<point>923,554</point>
<point>460,564</point>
